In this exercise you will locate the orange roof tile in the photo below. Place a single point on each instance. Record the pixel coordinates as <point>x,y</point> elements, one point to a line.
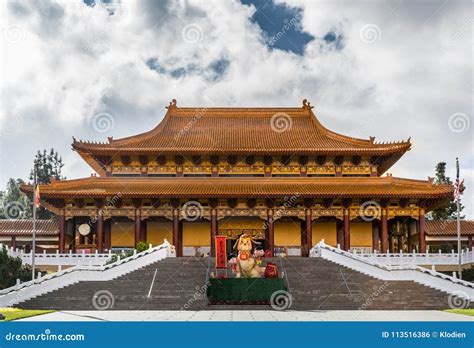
<point>449,227</point>
<point>244,187</point>
<point>25,227</point>
<point>241,131</point>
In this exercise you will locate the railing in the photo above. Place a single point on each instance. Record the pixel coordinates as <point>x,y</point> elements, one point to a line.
<point>50,282</point>
<point>425,259</point>
<point>467,257</point>
<point>57,259</point>
<point>371,267</point>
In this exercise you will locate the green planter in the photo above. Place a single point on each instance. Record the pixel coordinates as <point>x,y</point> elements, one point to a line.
<point>243,290</point>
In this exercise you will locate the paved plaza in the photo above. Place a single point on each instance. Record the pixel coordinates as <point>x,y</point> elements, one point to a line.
<point>262,315</point>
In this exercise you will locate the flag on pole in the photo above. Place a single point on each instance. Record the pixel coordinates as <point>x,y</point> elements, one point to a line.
<point>458,184</point>
<point>37,202</point>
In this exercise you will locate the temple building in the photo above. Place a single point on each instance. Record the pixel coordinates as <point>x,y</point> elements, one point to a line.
<point>276,173</point>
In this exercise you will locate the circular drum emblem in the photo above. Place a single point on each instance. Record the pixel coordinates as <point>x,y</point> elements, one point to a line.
<point>84,229</point>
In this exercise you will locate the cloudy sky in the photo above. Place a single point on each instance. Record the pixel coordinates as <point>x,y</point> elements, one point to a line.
<point>92,69</point>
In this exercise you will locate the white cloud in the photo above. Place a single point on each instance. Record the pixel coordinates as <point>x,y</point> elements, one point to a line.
<point>63,62</point>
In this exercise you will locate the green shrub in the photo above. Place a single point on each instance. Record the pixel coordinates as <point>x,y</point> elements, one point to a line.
<point>142,246</point>
<point>11,269</point>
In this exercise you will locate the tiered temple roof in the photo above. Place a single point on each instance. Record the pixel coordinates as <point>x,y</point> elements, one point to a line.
<point>242,131</point>
<point>362,187</point>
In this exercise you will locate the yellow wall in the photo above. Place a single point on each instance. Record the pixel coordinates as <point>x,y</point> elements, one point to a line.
<point>361,234</point>
<point>287,233</point>
<point>196,233</point>
<point>123,234</point>
<point>156,232</point>
<point>326,231</point>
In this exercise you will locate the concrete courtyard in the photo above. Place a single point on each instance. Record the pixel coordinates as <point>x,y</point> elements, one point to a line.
<point>262,315</point>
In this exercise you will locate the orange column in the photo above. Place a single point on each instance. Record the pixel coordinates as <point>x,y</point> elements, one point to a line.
<point>375,235</point>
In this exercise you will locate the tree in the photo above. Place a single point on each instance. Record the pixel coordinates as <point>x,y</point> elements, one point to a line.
<point>11,269</point>
<point>15,205</point>
<point>447,211</point>
<point>48,166</point>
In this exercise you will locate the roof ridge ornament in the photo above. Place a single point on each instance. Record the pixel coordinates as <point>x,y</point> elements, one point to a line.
<point>307,104</point>
<point>372,140</point>
<point>110,139</point>
<point>173,104</point>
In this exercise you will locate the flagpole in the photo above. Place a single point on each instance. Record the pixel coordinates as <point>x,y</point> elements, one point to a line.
<point>33,249</point>
<point>458,227</point>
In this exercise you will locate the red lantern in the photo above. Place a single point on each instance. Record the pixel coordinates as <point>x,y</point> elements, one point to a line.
<point>271,271</point>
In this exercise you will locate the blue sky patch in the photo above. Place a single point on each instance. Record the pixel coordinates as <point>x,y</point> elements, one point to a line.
<point>281,25</point>
<point>213,72</point>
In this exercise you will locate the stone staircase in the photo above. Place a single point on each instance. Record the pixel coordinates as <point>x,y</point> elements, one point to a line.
<point>177,286</point>
<point>315,284</point>
<point>318,284</point>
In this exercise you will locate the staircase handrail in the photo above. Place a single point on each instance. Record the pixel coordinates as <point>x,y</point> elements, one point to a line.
<point>367,261</point>
<point>79,268</point>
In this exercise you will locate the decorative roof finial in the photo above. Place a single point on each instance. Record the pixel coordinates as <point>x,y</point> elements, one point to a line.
<point>307,104</point>
<point>372,140</point>
<point>172,104</point>
<point>110,139</point>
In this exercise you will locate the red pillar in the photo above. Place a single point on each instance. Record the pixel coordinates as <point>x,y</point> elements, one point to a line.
<point>138,227</point>
<point>74,235</point>
<point>309,232</point>
<point>347,230</point>
<point>100,233</point>
<point>469,243</point>
<point>375,236</point>
<point>383,222</point>
<point>340,233</point>
<point>143,231</point>
<point>14,242</point>
<point>213,231</point>
<point>270,230</point>
<point>176,233</point>
<point>421,231</point>
<point>108,234</point>
<point>62,234</point>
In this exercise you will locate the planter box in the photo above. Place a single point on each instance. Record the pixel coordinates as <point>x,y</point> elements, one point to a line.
<point>243,290</point>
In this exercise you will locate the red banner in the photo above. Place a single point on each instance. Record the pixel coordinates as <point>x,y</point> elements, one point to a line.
<point>221,252</point>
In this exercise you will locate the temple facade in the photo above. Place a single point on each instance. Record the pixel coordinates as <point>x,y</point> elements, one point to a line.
<point>275,173</point>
